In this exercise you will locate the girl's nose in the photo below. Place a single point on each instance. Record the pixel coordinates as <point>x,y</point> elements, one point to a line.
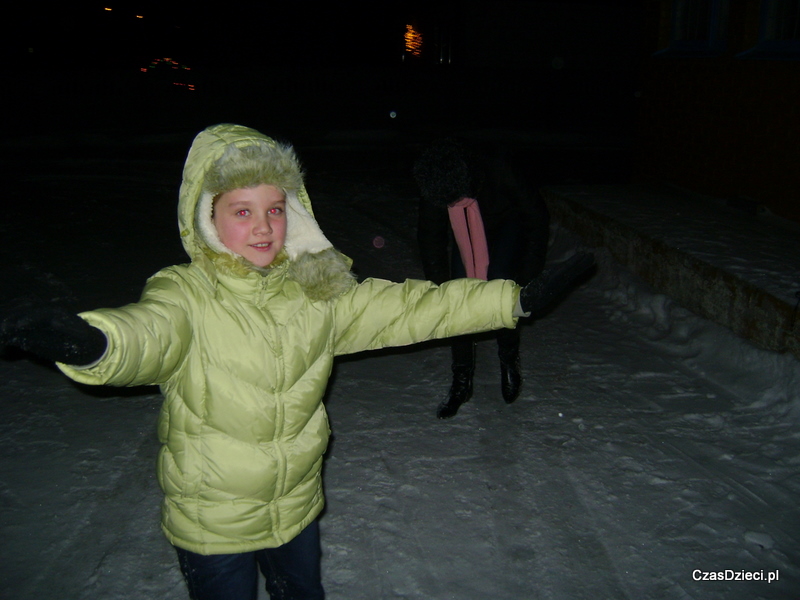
<point>263,226</point>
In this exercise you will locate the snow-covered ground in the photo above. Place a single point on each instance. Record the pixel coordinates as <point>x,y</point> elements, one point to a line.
<point>650,453</point>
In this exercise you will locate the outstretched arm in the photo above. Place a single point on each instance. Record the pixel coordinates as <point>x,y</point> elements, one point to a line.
<point>554,282</point>
<point>379,314</point>
<point>51,332</point>
<point>138,344</point>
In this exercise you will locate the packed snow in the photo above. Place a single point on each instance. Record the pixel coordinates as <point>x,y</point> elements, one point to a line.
<point>652,454</point>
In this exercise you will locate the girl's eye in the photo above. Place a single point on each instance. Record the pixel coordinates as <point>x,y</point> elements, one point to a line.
<point>241,213</point>
<point>275,211</point>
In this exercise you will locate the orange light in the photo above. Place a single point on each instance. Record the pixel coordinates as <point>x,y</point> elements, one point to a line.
<point>413,39</point>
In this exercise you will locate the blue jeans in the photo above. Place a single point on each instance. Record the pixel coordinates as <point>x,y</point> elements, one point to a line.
<point>292,571</point>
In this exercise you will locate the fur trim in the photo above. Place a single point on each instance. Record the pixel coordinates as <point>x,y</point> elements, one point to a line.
<point>260,163</point>
<point>253,165</point>
<point>303,234</point>
<point>234,264</point>
<point>204,224</point>
<point>324,275</point>
<point>248,160</point>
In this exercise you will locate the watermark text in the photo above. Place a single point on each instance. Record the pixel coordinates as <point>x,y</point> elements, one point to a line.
<point>732,575</point>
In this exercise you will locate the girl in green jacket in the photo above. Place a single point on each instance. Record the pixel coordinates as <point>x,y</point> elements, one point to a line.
<point>241,341</point>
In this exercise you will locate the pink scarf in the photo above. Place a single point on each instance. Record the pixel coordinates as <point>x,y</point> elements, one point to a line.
<point>467,224</point>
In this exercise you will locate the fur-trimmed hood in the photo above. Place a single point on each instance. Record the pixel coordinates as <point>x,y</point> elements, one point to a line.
<point>226,157</point>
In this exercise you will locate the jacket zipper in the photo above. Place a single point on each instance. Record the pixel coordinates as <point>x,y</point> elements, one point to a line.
<point>280,413</point>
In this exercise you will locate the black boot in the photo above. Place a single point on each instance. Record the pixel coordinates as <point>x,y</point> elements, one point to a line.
<point>508,352</point>
<point>510,379</point>
<point>460,392</point>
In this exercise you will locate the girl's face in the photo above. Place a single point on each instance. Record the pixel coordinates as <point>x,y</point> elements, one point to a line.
<point>252,222</point>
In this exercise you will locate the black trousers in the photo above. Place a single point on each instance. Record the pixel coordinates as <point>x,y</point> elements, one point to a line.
<point>507,248</point>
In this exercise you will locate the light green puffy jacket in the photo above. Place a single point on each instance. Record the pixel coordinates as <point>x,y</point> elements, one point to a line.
<point>243,357</point>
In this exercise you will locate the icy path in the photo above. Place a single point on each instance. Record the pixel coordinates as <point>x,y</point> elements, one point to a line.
<point>620,471</point>
<point>647,444</point>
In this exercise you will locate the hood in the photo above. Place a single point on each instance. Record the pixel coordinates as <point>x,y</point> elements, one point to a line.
<point>225,157</point>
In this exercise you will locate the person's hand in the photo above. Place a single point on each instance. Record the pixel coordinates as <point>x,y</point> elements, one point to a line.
<point>51,332</point>
<point>554,282</point>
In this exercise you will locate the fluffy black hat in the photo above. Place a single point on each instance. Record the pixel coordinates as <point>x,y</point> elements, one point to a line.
<point>445,172</point>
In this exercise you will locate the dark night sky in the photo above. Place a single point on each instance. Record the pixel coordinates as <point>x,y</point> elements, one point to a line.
<point>246,33</point>
<point>339,60</point>
<point>242,33</point>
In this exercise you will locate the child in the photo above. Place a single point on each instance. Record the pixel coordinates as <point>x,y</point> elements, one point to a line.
<point>241,341</point>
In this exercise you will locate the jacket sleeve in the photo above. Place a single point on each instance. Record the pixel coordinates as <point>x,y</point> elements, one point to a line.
<point>147,341</point>
<point>378,314</point>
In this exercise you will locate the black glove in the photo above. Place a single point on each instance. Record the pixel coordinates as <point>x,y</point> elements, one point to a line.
<point>51,332</point>
<point>553,282</point>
